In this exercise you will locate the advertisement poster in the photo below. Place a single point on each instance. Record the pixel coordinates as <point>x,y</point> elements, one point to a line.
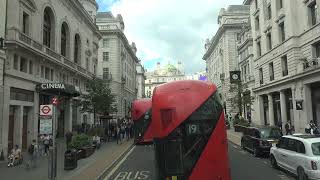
<point>45,126</point>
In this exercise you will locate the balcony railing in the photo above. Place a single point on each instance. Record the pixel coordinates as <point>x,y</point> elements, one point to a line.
<point>16,35</point>
<point>312,63</point>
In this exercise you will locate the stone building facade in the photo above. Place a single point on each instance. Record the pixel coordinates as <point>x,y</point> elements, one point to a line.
<point>246,67</point>
<point>117,61</point>
<point>221,51</point>
<point>286,46</point>
<point>46,42</point>
<point>163,75</point>
<point>140,81</point>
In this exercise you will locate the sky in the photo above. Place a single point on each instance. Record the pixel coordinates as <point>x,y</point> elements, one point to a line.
<point>168,31</point>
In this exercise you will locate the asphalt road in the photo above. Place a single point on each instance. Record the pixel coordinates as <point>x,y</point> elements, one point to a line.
<point>244,166</point>
<point>138,163</point>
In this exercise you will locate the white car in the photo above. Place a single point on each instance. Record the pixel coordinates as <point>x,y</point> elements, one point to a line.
<point>299,154</point>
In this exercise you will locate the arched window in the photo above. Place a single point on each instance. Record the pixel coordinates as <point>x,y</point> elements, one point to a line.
<point>77,48</point>
<point>64,40</point>
<point>48,28</point>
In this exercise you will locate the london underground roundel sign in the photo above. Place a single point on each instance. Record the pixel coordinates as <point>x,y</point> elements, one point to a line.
<point>46,110</point>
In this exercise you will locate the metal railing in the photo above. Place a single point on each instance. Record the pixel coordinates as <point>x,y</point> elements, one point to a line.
<point>313,62</point>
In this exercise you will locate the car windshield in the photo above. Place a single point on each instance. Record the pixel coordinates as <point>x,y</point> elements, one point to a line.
<point>270,133</point>
<point>316,148</point>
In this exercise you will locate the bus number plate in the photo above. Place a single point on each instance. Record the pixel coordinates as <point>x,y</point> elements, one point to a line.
<point>193,129</point>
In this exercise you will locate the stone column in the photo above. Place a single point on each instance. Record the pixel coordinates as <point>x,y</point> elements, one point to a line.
<point>259,118</point>
<point>283,106</point>
<point>271,112</point>
<point>18,125</point>
<point>36,106</point>
<point>307,106</point>
<point>5,119</point>
<point>68,116</point>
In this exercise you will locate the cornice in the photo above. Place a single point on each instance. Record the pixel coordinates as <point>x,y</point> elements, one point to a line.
<point>217,37</point>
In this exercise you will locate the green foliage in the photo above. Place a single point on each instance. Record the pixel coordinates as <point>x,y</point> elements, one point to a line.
<point>242,97</point>
<point>80,140</point>
<point>99,99</point>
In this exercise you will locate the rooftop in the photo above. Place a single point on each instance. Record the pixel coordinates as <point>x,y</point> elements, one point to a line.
<point>104,15</point>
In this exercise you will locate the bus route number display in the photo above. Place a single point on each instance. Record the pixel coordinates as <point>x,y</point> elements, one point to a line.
<point>193,129</point>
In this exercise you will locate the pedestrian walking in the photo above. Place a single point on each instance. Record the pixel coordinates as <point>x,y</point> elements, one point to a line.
<point>68,138</point>
<point>118,135</point>
<point>33,154</point>
<point>288,128</point>
<point>127,131</point>
<point>123,132</point>
<point>46,143</point>
<point>280,124</point>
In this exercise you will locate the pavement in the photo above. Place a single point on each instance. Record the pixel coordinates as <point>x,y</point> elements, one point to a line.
<point>88,168</point>
<point>234,137</point>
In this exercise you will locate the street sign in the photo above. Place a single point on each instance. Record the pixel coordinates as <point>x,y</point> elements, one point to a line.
<point>45,126</point>
<point>46,110</point>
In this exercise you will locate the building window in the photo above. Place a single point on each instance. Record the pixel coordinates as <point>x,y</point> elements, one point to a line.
<point>279,4</point>
<point>106,43</point>
<point>258,49</point>
<point>77,48</point>
<point>257,23</point>
<point>15,62</point>
<point>30,67</point>
<point>21,95</point>
<point>256,3</point>
<point>269,41</point>
<point>47,73</point>
<point>105,74</point>
<point>282,32</point>
<point>42,72</point>
<point>94,69</point>
<point>64,39</point>
<point>269,12</point>
<point>284,65</point>
<point>313,13</point>
<point>105,56</point>
<point>316,50</point>
<point>47,27</point>
<point>261,75</point>
<point>51,75</point>
<point>271,71</point>
<point>23,65</point>
<point>87,63</point>
<point>25,23</point>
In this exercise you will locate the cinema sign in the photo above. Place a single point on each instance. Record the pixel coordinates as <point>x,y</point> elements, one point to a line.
<point>52,86</point>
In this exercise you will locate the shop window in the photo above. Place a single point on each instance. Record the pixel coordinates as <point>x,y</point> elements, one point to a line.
<point>21,95</point>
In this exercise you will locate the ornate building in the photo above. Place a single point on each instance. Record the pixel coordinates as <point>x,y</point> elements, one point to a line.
<point>162,75</point>
<point>140,81</point>
<point>47,42</point>
<point>286,48</point>
<point>117,61</point>
<point>221,51</point>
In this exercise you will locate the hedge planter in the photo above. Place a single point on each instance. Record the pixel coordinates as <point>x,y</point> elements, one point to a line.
<point>89,150</point>
<point>81,153</point>
<point>239,128</point>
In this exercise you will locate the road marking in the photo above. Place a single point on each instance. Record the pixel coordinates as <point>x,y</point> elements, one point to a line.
<point>118,165</point>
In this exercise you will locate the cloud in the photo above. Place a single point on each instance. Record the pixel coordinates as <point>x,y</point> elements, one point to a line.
<point>172,30</point>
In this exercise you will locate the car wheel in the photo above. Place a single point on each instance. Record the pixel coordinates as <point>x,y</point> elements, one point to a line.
<point>256,152</point>
<point>301,174</point>
<point>273,162</point>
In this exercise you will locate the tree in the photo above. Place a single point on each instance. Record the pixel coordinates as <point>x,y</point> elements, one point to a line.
<point>99,99</point>
<point>242,96</point>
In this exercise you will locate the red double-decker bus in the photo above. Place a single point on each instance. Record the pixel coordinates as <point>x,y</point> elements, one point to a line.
<point>141,116</point>
<point>190,133</point>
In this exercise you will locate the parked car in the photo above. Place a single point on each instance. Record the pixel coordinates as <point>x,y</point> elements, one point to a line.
<point>299,154</point>
<point>260,140</point>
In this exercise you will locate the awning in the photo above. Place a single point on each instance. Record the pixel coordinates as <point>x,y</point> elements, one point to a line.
<point>59,89</point>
